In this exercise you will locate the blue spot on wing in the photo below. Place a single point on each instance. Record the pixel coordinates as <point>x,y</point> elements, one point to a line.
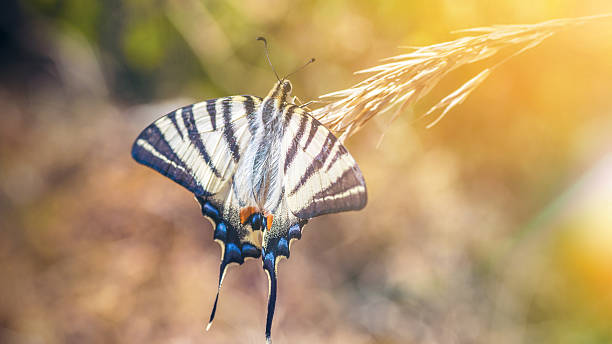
<point>221,232</point>
<point>282,247</point>
<point>233,254</point>
<point>210,211</point>
<point>295,232</point>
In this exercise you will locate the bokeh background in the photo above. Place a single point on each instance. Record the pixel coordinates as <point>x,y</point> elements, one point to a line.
<point>494,226</point>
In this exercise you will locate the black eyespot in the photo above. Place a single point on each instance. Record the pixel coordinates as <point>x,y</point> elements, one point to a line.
<point>256,221</point>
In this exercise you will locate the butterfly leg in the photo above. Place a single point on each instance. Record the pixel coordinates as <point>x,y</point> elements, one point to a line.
<point>303,105</point>
<point>308,103</point>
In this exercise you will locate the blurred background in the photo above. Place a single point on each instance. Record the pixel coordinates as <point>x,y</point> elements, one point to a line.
<point>494,226</point>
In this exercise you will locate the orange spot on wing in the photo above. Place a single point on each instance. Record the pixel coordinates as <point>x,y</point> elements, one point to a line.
<point>269,219</point>
<point>246,212</point>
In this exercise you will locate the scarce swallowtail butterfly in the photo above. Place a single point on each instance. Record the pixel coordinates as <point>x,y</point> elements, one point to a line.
<point>259,168</point>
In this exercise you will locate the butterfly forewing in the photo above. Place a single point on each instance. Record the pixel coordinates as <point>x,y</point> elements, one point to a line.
<point>321,177</point>
<point>195,145</point>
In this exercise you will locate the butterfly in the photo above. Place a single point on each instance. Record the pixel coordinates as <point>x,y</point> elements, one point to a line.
<point>260,168</point>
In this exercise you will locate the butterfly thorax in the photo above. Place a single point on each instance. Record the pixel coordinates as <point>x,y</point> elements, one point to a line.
<point>258,178</point>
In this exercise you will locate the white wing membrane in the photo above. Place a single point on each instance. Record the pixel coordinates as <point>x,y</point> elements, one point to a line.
<point>198,146</point>
<point>321,177</point>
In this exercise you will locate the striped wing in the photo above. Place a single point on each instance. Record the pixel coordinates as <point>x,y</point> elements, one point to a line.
<point>199,146</point>
<point>321,177</point>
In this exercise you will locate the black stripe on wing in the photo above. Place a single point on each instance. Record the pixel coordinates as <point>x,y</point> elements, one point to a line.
<point>172,117</point>
<point>320,175</point>
<point>331,199</point>
<point>152,149</point>
<point>211,108</point>
<point>228,130</point>
<point>317,162</point>
<point>311,134</point>
<point>196,137</point>
<point>291,153</point>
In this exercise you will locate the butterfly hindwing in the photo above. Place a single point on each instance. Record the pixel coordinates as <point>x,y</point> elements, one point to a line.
<point>276,245</point>
<point>238,240</point>
<point>321,176</point>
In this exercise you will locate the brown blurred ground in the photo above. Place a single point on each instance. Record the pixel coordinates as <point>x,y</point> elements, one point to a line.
<point>494,226</point>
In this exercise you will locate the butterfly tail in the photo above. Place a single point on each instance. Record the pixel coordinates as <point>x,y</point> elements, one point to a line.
<point>222,270</point>
<point>232,249</point>
<point>269,265</point>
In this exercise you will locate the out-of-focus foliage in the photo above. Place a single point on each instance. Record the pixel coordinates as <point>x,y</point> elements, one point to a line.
<point>494,226</point>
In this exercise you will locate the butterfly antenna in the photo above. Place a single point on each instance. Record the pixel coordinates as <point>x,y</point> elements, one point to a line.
<point>265,42</point>
<point>299,69</point>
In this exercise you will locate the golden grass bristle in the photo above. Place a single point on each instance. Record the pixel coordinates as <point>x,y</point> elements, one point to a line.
<point>405,79</point>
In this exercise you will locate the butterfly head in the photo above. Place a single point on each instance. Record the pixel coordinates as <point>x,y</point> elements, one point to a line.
<point>286,87</point>
<point>281,90</point>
